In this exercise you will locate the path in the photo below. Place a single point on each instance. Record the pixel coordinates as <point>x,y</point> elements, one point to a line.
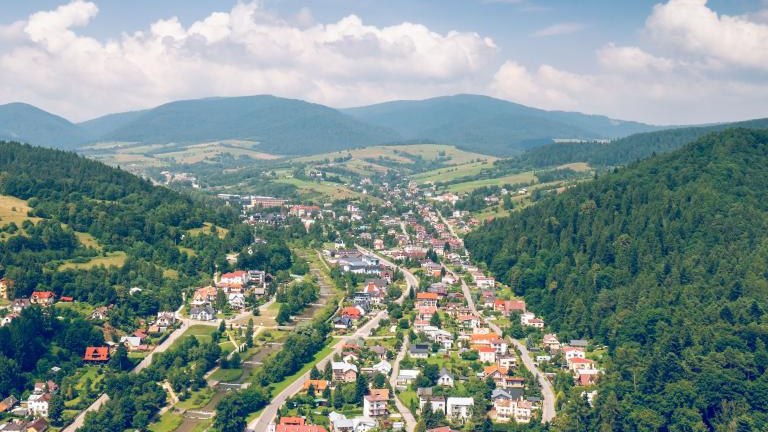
<point>410,420</point>
<point>146,361</point>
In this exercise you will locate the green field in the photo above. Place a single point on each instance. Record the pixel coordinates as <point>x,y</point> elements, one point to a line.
<point>524,177</point>
<point>226,375</point>
<point>205,229</point>
<point>14,210</point>
<point>450,173</point>
<point>168,422</point>
<point>116,259</point>
<point>333,191</point>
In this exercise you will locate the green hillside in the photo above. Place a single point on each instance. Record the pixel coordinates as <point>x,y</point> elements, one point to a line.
<point>665,263</point>
<point>25,123</point>
<point>280,126</point>
<point>624,150</point>
<point>487,125</point>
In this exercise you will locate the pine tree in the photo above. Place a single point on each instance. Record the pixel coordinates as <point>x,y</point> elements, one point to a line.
<point>249,333</point>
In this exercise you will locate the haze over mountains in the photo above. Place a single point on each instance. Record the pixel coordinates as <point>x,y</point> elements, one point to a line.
<point>294,127</point>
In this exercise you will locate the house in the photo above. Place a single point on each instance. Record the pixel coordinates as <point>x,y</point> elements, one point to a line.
<point>204,296</point>
<point>133,343</point>
<point>378,244</point>
<point>295,424</point>
<point>202,313</point>
<point>436,403</point>
<point>426,312</point>
<point>237,278</point>
<point>353,312</point>
<point>318,385</point>
<point>165,320</point>
<point>344,372</point>
<point>236,300</point>
<point>507,361</point>
<point>375,403</point>
<point>419,351</point>
<point>579,364</point>
<point>100,313</point>
<point>42,298</point>
<point>20,304</point>
<point>406,377</point>
<point>506,307</point>
<point>529,319</point>
<point>570,353</point>
<point>6,286</point>
<point>550,342</point>
<point>8,403</point>
<point>383,367</point>
<point>487,354</point>
<point>340,423</point>
<point>506,410</point>
<point>342,322</point>
<point>446,379</point>
<point>468,321</point>
<point>380,351</point>
<point>7,319</point>
<point>37,404</point>
<point>459,408</point>
<point>96,354</point>
<point>579,343</point>
<point>426,299</point>
<point>36,425</point>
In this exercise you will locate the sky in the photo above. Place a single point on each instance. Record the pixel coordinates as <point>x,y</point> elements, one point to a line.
<point>661,62</point>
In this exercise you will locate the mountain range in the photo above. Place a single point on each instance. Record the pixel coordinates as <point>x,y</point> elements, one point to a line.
<point>294,127</point>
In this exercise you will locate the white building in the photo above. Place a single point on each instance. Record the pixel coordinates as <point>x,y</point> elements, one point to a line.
<point>459,407</point>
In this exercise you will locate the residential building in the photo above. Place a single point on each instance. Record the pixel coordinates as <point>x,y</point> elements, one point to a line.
<point>202,313</point>
<point>42,298</point>
<point>459,408</point>
<point>344,372</point>
<point>446,379</point>
<point>96,354</point>
<point>375,403</point>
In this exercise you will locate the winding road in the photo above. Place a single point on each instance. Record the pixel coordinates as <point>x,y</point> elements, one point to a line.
<point>548,395</point>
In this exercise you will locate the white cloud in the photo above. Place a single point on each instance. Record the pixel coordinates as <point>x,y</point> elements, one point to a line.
<point>695,29</point>
<point>697,66</point>
<point>559,29</point>
<point>632,59</point>
<point>242,51</point>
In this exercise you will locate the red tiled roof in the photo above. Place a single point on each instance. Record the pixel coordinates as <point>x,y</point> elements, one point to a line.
<point>96,354</point>
<point>42,294</point>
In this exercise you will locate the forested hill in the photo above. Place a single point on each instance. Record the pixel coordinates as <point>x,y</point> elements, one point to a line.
<point>622,151</point>
<point>69,194</point>
<point>665,262</point>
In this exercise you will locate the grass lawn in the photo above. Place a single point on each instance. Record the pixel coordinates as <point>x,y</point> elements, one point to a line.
<point>226,375</point>
<point>200,331</point>
<point>524,177</point>
<point>116,259</point>
<point>333,191</point>
<point>189,251</point>
<point>206,229</point>
<point>450,172</point>
<point>14,210</point>
<point>197,399</point>
<point>407,396</point>
<point>167,423</point>
<point>88,240</point>
<point>330,343</point>
<point>84,309</point>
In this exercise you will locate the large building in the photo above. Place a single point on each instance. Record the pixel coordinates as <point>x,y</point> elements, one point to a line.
<point>266,202</point>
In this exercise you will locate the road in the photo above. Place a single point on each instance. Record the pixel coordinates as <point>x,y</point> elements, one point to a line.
<point>548,395</point>
<point>410,421</point>
<point>103,398</point>
<point>261,423</point>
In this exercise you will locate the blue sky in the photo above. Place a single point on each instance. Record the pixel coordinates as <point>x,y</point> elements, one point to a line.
<point>585,55</point>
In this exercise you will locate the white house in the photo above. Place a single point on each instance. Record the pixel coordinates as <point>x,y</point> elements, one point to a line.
<point>459,407</point>
<point>406,377</point>
<point>204,313</point>
<point>37,404</point>
<point>445,379</point>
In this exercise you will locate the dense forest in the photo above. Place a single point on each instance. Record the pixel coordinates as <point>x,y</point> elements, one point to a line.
<point>664,262</point>
<point>620,152</point>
